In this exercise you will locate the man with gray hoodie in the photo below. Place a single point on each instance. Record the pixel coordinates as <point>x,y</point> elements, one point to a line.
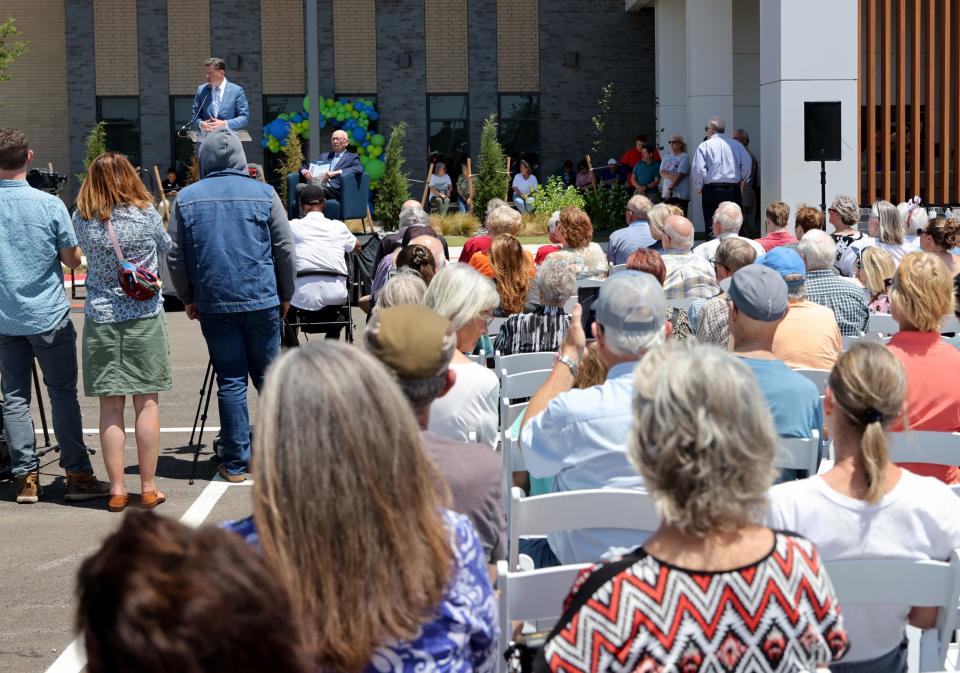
<point>233,266</point>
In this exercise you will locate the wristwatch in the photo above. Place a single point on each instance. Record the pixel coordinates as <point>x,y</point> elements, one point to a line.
<point>568,361</point>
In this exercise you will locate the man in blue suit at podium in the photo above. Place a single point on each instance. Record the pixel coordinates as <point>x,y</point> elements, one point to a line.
<point>220,103</point>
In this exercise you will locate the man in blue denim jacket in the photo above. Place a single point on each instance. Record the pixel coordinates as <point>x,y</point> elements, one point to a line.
<point>233,266</point>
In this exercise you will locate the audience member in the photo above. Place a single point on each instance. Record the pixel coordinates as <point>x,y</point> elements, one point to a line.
<point>955,339</point>
<point>675,174</point>
<point>807,219</point>
<point>467,300</point>
<point>875,270</point>
<point>705,455</point>
<point>36,236</point>
<point>938,237</point>
<point>610,176</point>
<point>913,219</point>
<point>566,174</point>
<point>758,303</point>
<point>721,166</point>
<point>778,217</point>
<point>153,597</point>
<point>500,220</point>
<point>645,175</point>
<point>650,261</point>
<point>750,190</point>
<point>635,235</point>
<point>584,176</point>
<point>713,319</point>
<point>321,284</point>
<point>513,272</point>
<point>407,218</point>
<point>580,435</point>
<point>657,218</point>
<point>826,288</point>
<point>173,183</point>
<point>688,275</point>
<point>397,581</point>
<point>885,232</point>
<point>406,287</point>
<point>844,216</point>
<point>418,233</point>
<point>809,337</point>
<point>418,260</point>
<point>631,156</point>
<point>727,221</point>
<point>125,345</point>
<point>874,509</point>
<point>921,297</point>
<point>543,329</point>
<point>239,306</point>
<point>555,241</point>
<point>522,187</point>
<point>417,345</point>
<point>576,232</point>
<point>511,251</point>
<point>441,189</point>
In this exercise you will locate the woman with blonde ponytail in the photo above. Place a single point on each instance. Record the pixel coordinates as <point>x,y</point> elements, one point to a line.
<point>874,508</point>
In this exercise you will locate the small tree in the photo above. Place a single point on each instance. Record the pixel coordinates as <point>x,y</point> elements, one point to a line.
<point>292,160</point>
<point>393,189</point>
<point>599,121</point>
<point>96,145</point>
<point>491,181</point>
<point>9,53</point>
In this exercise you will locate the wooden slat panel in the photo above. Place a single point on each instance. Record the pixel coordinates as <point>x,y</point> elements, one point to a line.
<point>945,98</point>
<point>915,100</point>
<point>901,80</point>
<point>871,101</point>
<point>887,21</point>
<point>956,108</point>
<point>859,96</point>
<point>930,116</point>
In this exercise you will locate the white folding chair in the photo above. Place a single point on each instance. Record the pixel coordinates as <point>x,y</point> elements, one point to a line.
<point>818,376</point>
<point>847,341</point>
<point>798,453</point>
<point>480,358</point>
<point>680,304</point>
<point>493,327</point>
<point>951,324</point>
<point>882,323</point>
<point>530,595</point>
<point>919,446</point>
<point>514,387</point>
<point>914,583</point>
<point>575,510</point>
<point>616,268</point>
<point>521,362</point>
<point>590,282</point>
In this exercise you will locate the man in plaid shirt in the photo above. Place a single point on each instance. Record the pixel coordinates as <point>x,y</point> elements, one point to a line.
<point>826,288</point>
<point>714,325</point>
<point>688,275</point>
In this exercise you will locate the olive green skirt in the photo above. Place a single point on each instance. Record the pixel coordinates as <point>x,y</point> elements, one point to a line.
<point>126,358</point>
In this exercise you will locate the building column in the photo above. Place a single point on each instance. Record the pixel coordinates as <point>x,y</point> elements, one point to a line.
<point>792,73</point>
<point>709,52</point>
<point>671,65</point>
<point>155,126</point>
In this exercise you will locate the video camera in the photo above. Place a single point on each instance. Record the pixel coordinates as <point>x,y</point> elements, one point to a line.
<point>46,181</point>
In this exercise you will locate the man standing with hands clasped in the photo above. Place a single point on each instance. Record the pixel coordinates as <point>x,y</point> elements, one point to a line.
<point>218,103</point>
<point>720,167</point>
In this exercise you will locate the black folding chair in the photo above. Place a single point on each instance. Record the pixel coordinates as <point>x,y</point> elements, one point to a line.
<point>298,325</point>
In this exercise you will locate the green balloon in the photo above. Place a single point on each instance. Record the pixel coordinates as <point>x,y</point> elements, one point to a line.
<point>306,134</point>
<point>329,102</point>
<point>348,107</point>
<point>306,103</point>
<point>376,169</point>
<point>378,139</point>
<point>364,160</point>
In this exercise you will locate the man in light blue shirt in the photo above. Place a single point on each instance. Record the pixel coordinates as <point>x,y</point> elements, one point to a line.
<point>720,167</point>
<point>579,436</point>
<point>36,235</point>
<point>636,235</point>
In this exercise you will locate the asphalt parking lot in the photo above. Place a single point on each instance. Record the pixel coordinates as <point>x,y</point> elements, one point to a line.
<point>44,544</point>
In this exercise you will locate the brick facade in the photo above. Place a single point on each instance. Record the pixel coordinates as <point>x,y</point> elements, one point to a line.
<point>447,46</point>
<point>188,31</point>
<point>39,75</point>
<point>282,31</point>
<point>518,58</point>
<point>355,53</point>
<point>482,25</point>
<point>81,83</point>
<point>115,47</point>
<point>155,127</point>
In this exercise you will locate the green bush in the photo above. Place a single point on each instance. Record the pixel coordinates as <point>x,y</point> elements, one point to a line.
<point>491,182</point>
<point>455,224</point>
<point>96,145</point>
<point>553,196</point>
<point>606,207</point>
<point>292,161</point>
<point>393,189</point>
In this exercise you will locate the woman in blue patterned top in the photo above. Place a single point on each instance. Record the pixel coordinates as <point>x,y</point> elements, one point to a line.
<point>125,346</point>
<point>351,513</point>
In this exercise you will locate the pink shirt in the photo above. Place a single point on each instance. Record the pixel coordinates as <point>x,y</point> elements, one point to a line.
<point>776,239</point>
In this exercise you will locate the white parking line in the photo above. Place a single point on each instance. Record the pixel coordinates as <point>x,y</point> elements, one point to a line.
<point>73,659</point>
<point>188,428</point>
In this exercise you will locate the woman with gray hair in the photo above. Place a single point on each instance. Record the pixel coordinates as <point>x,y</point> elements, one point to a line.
<point>844,215</point>
<point>544,329</point>
<point>407,287</point>
<point>886,232</point>
<point>467,299</point>
<point>706,456</point>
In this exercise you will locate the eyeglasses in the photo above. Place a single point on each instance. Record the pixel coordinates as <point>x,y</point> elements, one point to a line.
<point>887,283</point>
<point>706,129</point>
<point>673,142</point>
<point>921,231</point>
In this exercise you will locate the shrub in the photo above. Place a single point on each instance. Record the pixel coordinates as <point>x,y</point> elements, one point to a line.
<point>96,145</point>
<point>291,162</point>
<point>534,224</point>
<point>393,189</point>
<point>554,196</point>
<point>455,224</point>
<point>491,181</point>
<point>606,207</point>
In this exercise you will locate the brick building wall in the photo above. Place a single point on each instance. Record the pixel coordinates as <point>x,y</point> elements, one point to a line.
<point>35,98</point>
<point>81,83</point>
<point>518,57</point>
<point>355,52</point>
<point>282,31</point>
<point>155,128</point>
<point>446,45</point>
<point>482,25</point>
<point>115,47</point>
<point>188,40</point>
<point>568,94</point>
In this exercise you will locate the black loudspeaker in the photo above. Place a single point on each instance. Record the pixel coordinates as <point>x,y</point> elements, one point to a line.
<point>821,131</point>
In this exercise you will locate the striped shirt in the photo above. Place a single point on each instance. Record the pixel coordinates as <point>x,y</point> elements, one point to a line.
<point>539,332</point>
<point>688,276</point>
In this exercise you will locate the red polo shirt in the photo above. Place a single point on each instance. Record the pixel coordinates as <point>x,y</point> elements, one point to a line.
<point>474,245</point>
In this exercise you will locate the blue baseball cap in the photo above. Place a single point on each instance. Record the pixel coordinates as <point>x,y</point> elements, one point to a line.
<point>786,262</point>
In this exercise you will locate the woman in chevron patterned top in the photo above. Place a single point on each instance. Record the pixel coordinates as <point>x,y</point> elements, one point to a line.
<point>711,590</point>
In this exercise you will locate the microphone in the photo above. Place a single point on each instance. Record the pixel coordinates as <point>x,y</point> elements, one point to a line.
<point>181,131</point>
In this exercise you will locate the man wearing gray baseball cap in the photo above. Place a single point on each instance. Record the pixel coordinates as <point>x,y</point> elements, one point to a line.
<point>579,436</point>
<point>759,301</point>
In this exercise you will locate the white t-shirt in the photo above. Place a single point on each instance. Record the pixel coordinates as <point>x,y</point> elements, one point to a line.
<point>525,186</point>
<point>441,183</point>
<point>848,260</point>
<point>918,520</point>
<point>320,244</point>
<point>472,405</point>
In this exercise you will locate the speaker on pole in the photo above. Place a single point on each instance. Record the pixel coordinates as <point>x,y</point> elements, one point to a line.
<point>821,127</point>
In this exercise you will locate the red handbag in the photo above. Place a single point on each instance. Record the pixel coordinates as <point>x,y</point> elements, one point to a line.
<point>135,281</point>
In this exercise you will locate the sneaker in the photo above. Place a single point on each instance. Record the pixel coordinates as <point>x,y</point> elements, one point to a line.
<point>85,486</point>
<point>29,489</point>
<point>232,478</point>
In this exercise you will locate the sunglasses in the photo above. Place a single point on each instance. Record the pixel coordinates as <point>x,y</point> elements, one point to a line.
<point>673,142</point>
<point>706,129</point>
<point>921,231</point>
<point>888,283</point>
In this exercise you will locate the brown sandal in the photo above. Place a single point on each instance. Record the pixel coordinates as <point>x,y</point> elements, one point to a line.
<point>118,503</point>
<point>150,499</point>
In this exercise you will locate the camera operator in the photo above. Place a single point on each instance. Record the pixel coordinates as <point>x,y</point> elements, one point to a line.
<point>36,235</point>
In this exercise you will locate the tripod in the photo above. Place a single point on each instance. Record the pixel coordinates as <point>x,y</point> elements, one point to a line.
<point>206,391</point>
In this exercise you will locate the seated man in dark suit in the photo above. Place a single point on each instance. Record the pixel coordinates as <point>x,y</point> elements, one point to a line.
<point>220,103</point>
<point>341,163</point>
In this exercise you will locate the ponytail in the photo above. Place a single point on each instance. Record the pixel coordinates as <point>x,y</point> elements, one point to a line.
<point>873,448</point>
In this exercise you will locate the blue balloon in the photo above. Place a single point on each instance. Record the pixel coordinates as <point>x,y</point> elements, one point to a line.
<point>366,144</point>
<point>323,122</point>
<point>373,115</point>
<point>344,100</point>
<point>264,143</point>
<point>359,134</point>
<point>297,118</point>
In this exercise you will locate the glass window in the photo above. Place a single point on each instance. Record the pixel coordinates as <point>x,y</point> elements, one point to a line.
<point>448,125</point>
<point>122,117</point>
<point>181,112</point>
<point>520,126</point>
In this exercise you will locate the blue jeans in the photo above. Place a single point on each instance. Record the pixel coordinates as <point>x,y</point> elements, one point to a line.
<point>524,205</point>
<point>538,549</point>
<point>894,661</point>
<point>56,353</point>
<point>240,345</point>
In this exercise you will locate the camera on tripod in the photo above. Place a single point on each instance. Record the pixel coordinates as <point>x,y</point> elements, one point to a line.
<point>46,181</point>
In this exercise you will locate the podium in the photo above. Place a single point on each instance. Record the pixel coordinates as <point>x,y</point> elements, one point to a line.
<point>198,136</point>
